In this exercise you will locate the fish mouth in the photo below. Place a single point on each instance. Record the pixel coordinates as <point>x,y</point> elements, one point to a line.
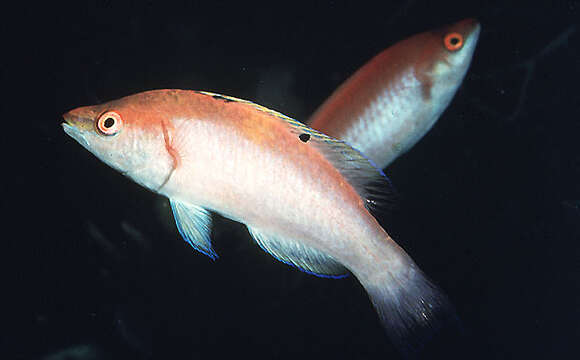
<point>73,132</point>
<point>68,120</point>
<point>74,123</point>
<point>476,30</point>
<point>69,127</point>
<point>72,129</point>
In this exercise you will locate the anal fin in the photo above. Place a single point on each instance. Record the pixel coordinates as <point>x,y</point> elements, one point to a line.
<point>194,224</point>
<point>294,253</point>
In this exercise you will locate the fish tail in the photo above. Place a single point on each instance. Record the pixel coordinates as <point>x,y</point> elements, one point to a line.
<point>411,308</point>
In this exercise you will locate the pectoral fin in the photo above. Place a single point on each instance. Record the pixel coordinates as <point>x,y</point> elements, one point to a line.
<point>194,224</point>
<point>293,253</point>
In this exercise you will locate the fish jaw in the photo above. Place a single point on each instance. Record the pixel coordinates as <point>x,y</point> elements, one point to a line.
<point>76,130</point>
<point>71,131</point>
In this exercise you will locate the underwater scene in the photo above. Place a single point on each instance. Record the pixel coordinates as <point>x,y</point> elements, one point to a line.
<point>345,180</point>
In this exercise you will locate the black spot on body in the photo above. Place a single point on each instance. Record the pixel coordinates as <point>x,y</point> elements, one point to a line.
<point>304,137</point>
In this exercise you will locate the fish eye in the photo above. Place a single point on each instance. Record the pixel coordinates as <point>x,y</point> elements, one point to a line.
<point>110,123</point>
<point>453,41</point>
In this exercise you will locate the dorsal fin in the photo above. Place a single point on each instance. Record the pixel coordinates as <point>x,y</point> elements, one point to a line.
<point>369,181</point>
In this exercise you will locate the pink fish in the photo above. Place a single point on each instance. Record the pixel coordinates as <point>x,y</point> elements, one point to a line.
<point>300,193</point>
<point>391,102</point>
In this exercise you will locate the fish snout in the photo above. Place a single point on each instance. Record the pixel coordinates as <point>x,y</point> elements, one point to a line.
<point>472,28</point>
<point>69,119</point>
<point>77,120</point>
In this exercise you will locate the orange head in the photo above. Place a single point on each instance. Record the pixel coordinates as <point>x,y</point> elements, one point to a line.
<point>128,134</point>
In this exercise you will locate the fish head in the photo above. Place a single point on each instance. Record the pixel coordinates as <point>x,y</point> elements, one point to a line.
<point>457,44</point>
<point>126,134</point>
<point>447,55</point>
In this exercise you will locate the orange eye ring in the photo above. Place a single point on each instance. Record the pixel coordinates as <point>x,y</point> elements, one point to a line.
<point>109,123</point>
<point>453,41</point>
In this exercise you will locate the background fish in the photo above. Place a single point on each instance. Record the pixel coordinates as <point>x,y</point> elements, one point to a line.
<point>391,102</point>
<point>300,193</point>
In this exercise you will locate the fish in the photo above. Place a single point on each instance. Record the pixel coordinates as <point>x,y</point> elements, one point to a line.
<point>301,194</point>
<point>391,102</point>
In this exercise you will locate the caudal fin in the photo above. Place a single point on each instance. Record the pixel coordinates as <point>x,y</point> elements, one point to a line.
<point>412,309</point>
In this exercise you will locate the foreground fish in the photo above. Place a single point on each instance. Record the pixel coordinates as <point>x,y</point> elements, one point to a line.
<point>298,191</point>
<point>391,102</point>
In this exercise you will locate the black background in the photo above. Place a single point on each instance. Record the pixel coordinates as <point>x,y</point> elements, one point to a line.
<point>489,201</point>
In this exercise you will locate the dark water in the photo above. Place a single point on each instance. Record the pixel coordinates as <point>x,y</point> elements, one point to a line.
<point>489,206</point>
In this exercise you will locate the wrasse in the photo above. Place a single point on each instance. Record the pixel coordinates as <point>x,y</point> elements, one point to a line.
<point>300,193</point>
<point>391,102</point>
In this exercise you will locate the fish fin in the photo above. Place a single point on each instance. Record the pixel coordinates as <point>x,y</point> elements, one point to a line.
<point>367,179</point>
<point>411,308</point>
<point>304,258</point>
<point>194,224</point>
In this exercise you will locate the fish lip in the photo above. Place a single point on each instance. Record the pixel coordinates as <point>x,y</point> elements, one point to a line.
<point>472,35</point>
<point>68,119</point>
<point>70,127</point>
<point>473,22</point>
<point>475,32</point>
<point>71,131</point>
<point>476,28</point>
<point>77,134</point>
<point>72,124</point>
<point>471,26</point>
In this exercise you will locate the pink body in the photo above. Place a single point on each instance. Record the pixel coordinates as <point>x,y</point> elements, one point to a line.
<point>244,163</point>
